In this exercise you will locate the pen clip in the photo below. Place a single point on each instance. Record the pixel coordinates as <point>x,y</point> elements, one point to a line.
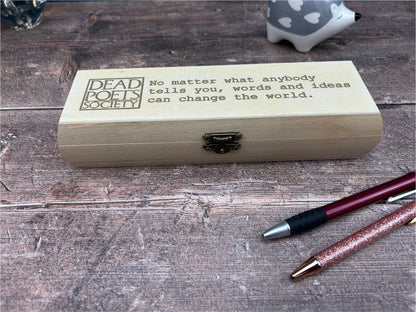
<point>400,196</point>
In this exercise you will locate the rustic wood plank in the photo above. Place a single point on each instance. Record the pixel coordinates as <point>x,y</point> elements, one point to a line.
<point>166,256</point>
<point>34,171</point>
<point>152,33</point>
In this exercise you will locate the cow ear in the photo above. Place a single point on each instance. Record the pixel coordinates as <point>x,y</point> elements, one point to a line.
<point>335,10</point>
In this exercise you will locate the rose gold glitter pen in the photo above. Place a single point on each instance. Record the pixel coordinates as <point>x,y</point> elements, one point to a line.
<point>356,241</point>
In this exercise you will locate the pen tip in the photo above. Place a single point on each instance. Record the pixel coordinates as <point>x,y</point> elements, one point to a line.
<point>310,267</point>
<point>279,231</point>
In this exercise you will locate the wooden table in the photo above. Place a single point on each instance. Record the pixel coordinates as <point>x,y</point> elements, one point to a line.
<point>187,237</point>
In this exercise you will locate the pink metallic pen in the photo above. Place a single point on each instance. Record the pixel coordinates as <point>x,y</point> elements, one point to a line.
<point>356,241</point>
<point>312,218</point>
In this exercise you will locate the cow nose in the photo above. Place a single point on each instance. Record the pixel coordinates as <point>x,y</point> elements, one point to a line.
<point>357,16</point>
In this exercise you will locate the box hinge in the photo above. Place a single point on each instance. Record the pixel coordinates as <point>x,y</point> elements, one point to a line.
<point>222,142</point>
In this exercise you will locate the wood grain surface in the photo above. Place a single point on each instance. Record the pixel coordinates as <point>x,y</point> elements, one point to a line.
<point>187,237</point>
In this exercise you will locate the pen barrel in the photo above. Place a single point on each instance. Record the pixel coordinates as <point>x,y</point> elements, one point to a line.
<point>370,196</point>
<point>366,235</point>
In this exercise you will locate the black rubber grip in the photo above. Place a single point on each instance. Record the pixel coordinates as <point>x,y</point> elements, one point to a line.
<point>307,220</point>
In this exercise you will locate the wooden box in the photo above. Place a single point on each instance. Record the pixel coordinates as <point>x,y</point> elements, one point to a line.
<point>228,113</point>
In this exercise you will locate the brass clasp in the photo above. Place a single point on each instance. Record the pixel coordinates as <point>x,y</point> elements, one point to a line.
<point>222,142</point>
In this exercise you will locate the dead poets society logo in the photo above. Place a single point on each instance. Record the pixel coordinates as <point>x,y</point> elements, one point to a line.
<point>113,93</point>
